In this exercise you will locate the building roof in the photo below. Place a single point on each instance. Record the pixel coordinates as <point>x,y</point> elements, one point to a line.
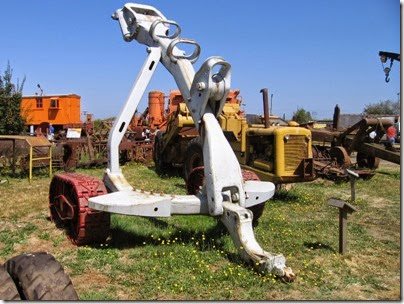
<point>50,96</point>
<point>34,141</point>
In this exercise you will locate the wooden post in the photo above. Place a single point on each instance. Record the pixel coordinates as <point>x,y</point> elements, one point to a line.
<point>50,161</point>
<point>14,158</point>
<point>352,177</point>
<point>30,163</point>
<point>343,216</point>
<point>352,188</point>
<point>344,209</point>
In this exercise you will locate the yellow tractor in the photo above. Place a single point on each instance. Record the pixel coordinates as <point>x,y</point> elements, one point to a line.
<point>269,147</point>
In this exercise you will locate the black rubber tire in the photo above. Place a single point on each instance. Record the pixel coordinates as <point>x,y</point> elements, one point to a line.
<point>160,166</point>
<point>155,148</point>
<point>193,157</point>
<point>8,290</point>
<point>38,276</point>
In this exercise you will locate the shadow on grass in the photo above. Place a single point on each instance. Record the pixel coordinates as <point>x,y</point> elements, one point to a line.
<point>122,239</point>
<point>36,172</point>
<point>158,223</point>
<point>395,175</point>
<point>285,196</point>
<point>318,245</point>
<point>168,172</point>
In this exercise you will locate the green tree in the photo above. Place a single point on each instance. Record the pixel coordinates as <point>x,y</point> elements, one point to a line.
<point>11,121</point>
<point>387,107</point>
<point>302,116</point>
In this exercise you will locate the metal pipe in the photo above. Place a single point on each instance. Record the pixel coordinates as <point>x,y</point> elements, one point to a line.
<point>244,127</point>
<point>50,161</point>
<point>271,109</point>
<point>266,110</point>
<point>335,121</point>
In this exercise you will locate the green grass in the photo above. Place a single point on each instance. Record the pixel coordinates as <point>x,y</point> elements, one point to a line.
<point>193,257</point>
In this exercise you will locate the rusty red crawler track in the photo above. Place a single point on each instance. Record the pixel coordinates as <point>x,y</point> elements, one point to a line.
<point>88,226</point>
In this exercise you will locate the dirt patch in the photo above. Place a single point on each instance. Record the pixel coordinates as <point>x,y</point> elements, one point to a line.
<point>351,291</point>
<point>369,264</point>
<point>217,266</point>
<point>277,294</point>
<point>92,279</point>
<point>376,202</point>
<point>388,165</point>
<point>381,233</point>
<point>35,244</point>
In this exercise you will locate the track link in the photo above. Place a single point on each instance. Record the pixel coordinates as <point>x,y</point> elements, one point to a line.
<point>68,203</point>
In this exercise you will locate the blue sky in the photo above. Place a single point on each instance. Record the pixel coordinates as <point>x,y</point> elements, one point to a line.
<point>311,54</point>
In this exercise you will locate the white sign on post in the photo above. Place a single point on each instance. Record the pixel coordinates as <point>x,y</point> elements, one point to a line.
<point>73,133</point>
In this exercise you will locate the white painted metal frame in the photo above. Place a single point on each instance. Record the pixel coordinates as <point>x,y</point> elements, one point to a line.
<point>225,194</point>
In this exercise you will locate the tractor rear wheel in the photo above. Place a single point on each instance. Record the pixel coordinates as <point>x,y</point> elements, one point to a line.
<point>38,276</point>
<point>193,157</point>
<point>8,290</point>
<point>68,204</point>
<point>160,166</point>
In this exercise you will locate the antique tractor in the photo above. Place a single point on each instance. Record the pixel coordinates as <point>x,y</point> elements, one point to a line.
<point>271,148</point>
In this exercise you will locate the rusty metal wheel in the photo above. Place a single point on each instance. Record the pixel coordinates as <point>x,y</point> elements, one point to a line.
<point>196,180</point>
<point>367,161</point>
<point>68,204</point>
<point>341,157</point>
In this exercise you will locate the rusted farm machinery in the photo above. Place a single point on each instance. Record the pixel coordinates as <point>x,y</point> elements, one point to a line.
<point>81,203</point>
<point>88,150</point>
<point>333,147</point>
<point>91,148</point>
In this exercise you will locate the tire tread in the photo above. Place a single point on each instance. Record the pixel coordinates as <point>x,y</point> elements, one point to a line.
<point>8,289</point>
<point>40,277</point>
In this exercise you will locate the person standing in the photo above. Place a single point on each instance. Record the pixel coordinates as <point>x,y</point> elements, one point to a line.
<point>391,134</point>
<point>51,132</point>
